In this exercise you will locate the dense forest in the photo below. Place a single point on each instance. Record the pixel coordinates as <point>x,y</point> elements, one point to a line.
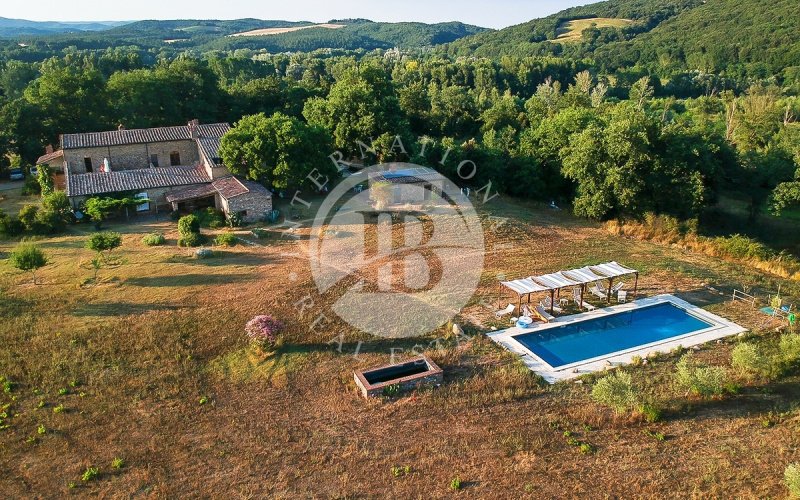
<point>656,135</point>
<point>174,37</point>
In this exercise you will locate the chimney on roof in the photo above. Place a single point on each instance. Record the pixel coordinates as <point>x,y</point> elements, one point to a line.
<point>120,127</point>
<point>194,128</point>
<point>49,149</point>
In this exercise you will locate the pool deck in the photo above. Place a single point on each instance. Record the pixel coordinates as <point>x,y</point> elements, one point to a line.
<point>721,328</point>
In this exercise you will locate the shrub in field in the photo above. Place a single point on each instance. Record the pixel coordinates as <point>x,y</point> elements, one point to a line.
<point>56,210</point>
<point>10,226</point>
<point>154,239</point>
<point>792,478</point>
<point>191,240</point>
<point>28,216</point>
<point>401,471</point>
<point>210,218</point>
<point>752,362</point>
<point>700,379</point>
<point>90,474</point>
<point>263,332</point>
<point>616,391</point>
<point>104,243</point>
<point>188,224</point>
<point>235,219</point>
<point>27,257</point>
<point>650,412</point>
<point>789,349</point>
<point>226,240</point>
<point>189,231</point>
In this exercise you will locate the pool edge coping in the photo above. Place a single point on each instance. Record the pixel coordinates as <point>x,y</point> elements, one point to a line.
<point>720,328</point>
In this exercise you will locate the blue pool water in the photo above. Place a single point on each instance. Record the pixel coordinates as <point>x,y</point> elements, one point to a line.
<point>616,332</point>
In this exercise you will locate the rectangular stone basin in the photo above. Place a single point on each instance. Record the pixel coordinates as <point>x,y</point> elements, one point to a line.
<point>406,375</point>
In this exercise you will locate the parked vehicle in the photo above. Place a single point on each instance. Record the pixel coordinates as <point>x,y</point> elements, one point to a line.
<point>16,174</point>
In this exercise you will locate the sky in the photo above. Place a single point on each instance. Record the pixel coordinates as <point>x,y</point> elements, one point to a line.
<point>486,13</point>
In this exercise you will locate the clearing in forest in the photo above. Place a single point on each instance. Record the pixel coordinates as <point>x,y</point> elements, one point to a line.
<point>278,31</point>
<point>571,31</point>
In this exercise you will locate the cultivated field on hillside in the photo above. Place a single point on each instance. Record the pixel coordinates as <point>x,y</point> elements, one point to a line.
<point>150,365</point>
<point>570,31</point>
<point>278,31</point>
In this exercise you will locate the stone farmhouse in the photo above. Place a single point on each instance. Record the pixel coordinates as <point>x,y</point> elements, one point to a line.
<point>175,168</point>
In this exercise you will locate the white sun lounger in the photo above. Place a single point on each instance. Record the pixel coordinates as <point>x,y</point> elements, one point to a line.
<point>543,314</point>
<point>576,293</point>
<point>598,290</point>
<point>504,312</point>
<point>548,304</point>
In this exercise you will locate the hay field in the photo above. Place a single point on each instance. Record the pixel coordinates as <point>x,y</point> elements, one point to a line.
<point>151,366</point>
<point>278,31</point>
<point>570,31</point>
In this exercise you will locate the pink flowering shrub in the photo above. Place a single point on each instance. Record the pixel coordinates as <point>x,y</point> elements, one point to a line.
<point>263,331</point>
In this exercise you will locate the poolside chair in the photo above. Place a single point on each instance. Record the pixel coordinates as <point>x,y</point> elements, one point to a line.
<point>542,314</point>
<point>526,311</point>
<point>599,290</point>
<point>616,288</point>
<point>547,303</point>
<point>576,294</point>
<point>504,312</point>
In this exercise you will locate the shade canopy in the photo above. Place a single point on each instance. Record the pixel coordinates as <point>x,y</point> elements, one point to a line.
<point>554,281</point>
<point>612,270</point>
<point>566,279</point>
<point>583,275</point>
<point>525,286</point>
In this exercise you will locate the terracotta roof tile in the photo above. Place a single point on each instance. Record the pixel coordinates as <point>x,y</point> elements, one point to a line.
<point>230,187</point>
<point>210,148</point>
<point>141,136</point>
<point>190,193</point>
<point>134,180</point>
<point>50,157</point>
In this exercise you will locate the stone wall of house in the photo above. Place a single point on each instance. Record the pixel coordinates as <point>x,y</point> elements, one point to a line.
<point>415,193</point>
<point>255,204</point>
<point>157,197</point>
<point>131,156</point>
<point>214,171</point>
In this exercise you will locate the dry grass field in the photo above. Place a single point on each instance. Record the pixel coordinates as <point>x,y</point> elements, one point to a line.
<point>150,365</point>
<point>571,31</point>
<point>278,31</point>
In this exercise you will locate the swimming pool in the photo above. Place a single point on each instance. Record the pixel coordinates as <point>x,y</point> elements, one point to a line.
<point>614,333</point>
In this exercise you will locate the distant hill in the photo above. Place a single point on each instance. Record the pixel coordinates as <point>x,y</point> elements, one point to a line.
<point>748,36</point>
<point>282,36</point>
<point>539,36</point>
<point>16,27</point>
<point>741,37</point>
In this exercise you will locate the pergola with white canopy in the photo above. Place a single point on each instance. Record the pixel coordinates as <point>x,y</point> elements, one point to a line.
<point>581,277</point>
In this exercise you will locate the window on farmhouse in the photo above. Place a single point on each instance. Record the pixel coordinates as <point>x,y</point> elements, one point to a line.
<point>87,162</point>
<point>154,160</point>
<point>174,158</point>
